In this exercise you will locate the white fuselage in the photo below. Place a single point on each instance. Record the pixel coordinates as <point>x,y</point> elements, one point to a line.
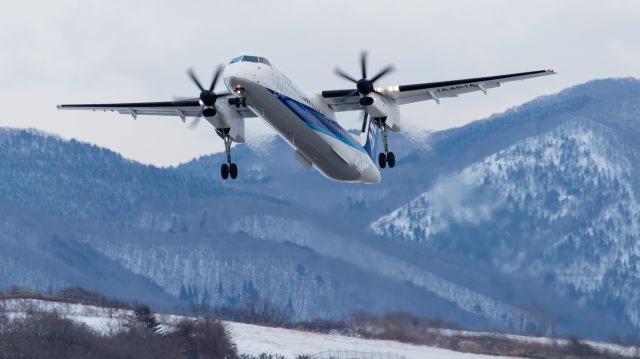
<point>305,122</point>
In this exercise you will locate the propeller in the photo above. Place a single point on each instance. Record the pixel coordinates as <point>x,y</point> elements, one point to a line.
<point>207,97</point>
<point>364,86</point>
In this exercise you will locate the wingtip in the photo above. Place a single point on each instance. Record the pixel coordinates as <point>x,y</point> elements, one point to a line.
<point>552,71</point>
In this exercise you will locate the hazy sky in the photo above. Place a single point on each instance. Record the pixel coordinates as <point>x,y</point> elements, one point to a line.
<point>54,52</point>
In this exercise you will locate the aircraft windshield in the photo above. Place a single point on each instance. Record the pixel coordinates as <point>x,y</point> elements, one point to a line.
<point>247,58</point>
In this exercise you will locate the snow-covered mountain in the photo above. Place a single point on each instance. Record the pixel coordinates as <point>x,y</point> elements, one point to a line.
<point>561,206</point>
<point>526,221</point>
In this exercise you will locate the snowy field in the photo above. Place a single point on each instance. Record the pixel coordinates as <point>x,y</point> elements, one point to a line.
<point>254,339</point>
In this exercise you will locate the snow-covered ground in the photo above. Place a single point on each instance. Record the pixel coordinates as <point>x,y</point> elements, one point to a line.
<point>255,339</point>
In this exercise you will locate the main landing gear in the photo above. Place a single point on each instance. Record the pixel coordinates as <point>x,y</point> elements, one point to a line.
<point>228,169</point>
<point>387,157</point>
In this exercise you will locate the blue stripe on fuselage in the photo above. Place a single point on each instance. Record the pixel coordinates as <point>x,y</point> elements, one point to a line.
<point>318,121</point>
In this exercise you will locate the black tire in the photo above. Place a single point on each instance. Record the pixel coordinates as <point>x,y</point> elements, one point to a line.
<point>382,160</point>
<point>391,159</point>
<point>224,171</point>
<point>233,171</point>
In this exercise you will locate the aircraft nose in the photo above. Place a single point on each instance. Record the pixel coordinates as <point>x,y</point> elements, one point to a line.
<point>237,76</point>
<point>231,75</point>
<point>370,175</point>
<point>232,70</point>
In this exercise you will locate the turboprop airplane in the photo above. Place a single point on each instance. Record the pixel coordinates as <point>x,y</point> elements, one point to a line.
<point>307,121</point>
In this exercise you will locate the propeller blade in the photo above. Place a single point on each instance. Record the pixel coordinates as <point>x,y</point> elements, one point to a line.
<point>215,78</point>
<point>352,93</point>
<point>194,124</point>
<point>385,71</point>
<point>193,77</point>
<point>222,94</point>
<point>196,120</point>
<point>364,121</point>
<point>345,76</point>
<point>363,64</point>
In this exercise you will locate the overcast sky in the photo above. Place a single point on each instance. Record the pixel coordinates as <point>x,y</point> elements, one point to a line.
<point>54,52</point>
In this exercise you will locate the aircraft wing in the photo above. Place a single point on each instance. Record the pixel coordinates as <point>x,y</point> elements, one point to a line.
<point>180,108</point>
<point>346,100</point>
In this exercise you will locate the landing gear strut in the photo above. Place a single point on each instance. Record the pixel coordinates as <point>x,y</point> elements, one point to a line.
<point>387,157</point>
<point>228,169</point>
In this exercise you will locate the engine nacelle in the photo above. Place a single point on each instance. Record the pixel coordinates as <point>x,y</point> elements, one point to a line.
<point>379,106</point>
<point>230,119</point>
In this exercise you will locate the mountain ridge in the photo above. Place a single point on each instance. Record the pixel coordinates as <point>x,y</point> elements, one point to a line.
<point>181,226</point>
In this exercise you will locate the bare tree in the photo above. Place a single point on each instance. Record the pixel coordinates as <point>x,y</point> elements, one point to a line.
<point>263,311</point>
<point>204,338</point>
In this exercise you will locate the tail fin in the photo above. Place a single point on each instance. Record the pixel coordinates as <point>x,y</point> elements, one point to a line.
<point>369,138</point>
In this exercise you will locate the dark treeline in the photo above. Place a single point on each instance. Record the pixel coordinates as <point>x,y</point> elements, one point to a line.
<point>251,311</point>
<point>67,295</point>
<point>40,334</point>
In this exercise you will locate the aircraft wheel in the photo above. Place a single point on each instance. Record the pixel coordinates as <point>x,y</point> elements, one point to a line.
<point>233,171</point>
<point>391,159</point>
<point>224,171</point>
<point>382,160</point>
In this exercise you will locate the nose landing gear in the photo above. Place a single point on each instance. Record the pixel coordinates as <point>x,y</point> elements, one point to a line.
<point>238,101</point>
<point>228,169</point>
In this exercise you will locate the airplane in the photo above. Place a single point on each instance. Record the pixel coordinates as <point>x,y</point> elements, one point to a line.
<point>307,121</point>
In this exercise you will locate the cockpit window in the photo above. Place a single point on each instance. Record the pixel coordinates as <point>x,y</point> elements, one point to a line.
<point>250,58</point>
<point>246,58</point>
